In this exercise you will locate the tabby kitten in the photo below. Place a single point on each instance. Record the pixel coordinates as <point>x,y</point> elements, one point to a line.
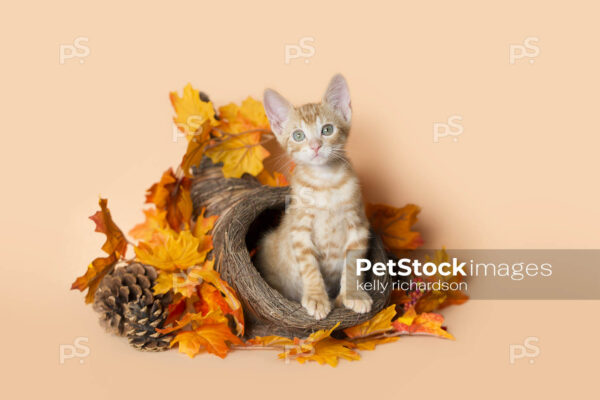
<point>313,252</point>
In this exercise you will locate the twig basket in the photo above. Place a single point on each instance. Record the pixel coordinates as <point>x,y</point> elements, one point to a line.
<point>246,211</point>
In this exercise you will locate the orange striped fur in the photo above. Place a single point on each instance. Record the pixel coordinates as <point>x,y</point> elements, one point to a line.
<point>312,254</point>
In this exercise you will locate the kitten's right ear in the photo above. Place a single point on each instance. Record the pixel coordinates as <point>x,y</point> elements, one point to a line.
<point>278,110</point>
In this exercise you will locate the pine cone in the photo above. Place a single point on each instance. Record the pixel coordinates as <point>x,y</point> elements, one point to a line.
<point>142,318</point>
<point>122,285</point>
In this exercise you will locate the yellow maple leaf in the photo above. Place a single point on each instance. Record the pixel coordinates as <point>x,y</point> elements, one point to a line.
<point>179,282</point>
<point>164,282</point>
<point>251,115</point>
<point>171,251</point>
<point>382,322</point>
<point>326,351</point>
<point>369,344</point>
<point>239,153</point>
<point>191,112</point>
<point>253,111</point>
<point>322,348</point>
<point>276,341</point>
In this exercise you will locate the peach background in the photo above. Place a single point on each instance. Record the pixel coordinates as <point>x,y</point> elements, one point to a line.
<point>524,174</point>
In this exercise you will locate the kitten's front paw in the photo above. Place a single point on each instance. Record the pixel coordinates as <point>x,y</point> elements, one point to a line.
<point>358,301</point>
<point>317,306</point>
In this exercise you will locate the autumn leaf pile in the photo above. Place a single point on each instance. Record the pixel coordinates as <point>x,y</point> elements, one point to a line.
<point>206,314</point>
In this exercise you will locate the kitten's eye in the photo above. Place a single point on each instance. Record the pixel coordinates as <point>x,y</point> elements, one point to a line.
<point>298,136</point>
<point>327,130</point>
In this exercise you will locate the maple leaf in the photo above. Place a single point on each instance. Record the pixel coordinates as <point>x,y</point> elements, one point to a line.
<point>171,251</point>
<point>204,224</point>
<point>182,283</point>
<point>382,322</point>
<point>213,292</point>
<point>93,276</point>
<point>175,310</point>
<point>412,323</point>
<point>171,194</point>
<point>208,274</point>
<point>211,299</point>
<point>211,334</point>
<point>437,299</point>
<point>115,240</point>
<point>240,153</point>
<point>165,282</point>
<point>393,225</point>
<point>115,246</point>
<point>251,115</point>
<point>325,351</point>
<point>195,150</point>
<point>275,341</point>
<point>369,344</point>
<point>368,334</point>
<point>253,111</point>
<point>155,221</point>
<point>275,180</point>
<point>322,348</point>
<point>191,111</point>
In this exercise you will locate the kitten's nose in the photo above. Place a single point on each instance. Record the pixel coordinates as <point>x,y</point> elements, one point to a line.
<point>315,145</point>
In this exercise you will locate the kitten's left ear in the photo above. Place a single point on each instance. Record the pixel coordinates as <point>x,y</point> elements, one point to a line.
<point>337,96</point>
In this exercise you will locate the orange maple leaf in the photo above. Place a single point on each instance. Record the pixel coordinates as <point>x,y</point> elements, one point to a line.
<point>171,194</point>
<point>115,246</point>
<point>412,323</point>
<point>438,299</point>
<point>195,150</point>
<point>275,180</point>
<point>393,226</point>
<point>115,240</point>
<point>155,221</point>
<point>93,276</point>
<point>211,334</point>
<point>204,224</point>
<point>208,274</point>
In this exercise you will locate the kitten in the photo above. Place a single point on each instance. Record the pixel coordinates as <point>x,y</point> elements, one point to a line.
<point>324,229</point>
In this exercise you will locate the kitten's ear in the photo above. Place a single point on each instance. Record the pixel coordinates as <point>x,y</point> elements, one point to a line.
<point>278,110</point>
<point>337,96</point>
